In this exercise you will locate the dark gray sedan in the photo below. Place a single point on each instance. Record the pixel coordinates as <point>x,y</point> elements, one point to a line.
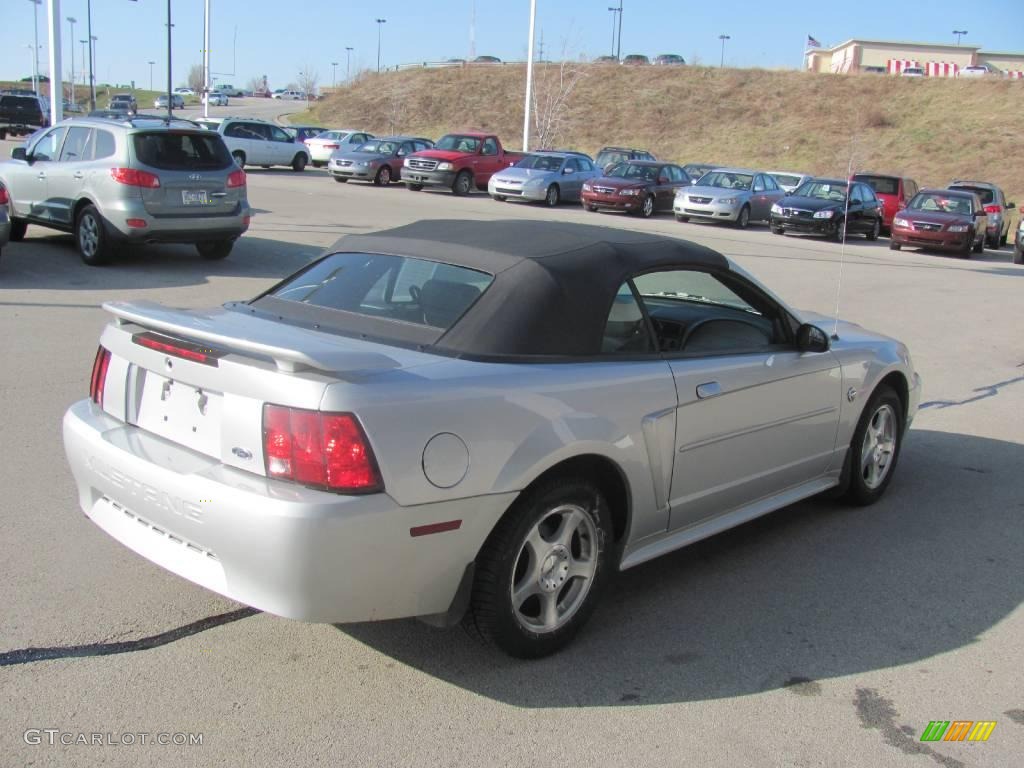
<point>378,160</point>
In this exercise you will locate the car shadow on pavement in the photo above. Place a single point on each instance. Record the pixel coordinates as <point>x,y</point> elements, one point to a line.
<point>811,592</point>
<point>52,263</point>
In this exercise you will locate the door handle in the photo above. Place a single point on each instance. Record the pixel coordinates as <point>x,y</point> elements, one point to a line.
<point>41,177</point>
<point>709,389</point>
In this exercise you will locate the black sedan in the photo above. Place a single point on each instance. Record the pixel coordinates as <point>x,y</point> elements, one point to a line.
<point>829,207</point>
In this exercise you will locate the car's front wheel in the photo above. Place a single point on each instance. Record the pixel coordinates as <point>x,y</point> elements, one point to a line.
<point>553,196</point>
<point>383,177</point>
<point>215,250</point>
<point>18,229</point>
<point>875,447</point>
<point>743,220</point>
<point>1018,255</point>
<point>91,237</point>
<point>540,572</point>
<point>979,246</point>
<point>647,207</point>
<point>463,184</point>
<point>876,229</point>
<point>299,162</point>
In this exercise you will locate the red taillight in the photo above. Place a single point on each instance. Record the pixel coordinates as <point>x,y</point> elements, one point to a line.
<point>331,146</point>
<point>133,177</point>
<point>177,348</point>
<point>4,197</point>
<point>236,179</point>
<point>993,209</point>
<point>99,375</point>
<point>325,450</point>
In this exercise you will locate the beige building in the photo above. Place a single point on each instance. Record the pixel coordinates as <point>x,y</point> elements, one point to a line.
<point>890,56</point>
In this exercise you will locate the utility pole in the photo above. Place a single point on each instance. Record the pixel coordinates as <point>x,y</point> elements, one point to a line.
<point>348,63</point>
<point>35,50</point>
<point>380,23</point>
<point>614,11</point>
<point>618,49</point>
<point>334,74</point>
<point>472,31</point>
<point>151,74</point>
<point>72,20</point>
<point>958,33</point>
<point>529,77</point>
<point>723,38</point>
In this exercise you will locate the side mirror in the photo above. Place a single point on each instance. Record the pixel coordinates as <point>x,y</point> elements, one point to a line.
<point>810,338</point>
<point>567,171</point>
<point>19,153</point>
<point>1011,205</point>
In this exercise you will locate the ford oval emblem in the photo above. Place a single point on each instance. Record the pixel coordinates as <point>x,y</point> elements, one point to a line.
<point>242,453</point>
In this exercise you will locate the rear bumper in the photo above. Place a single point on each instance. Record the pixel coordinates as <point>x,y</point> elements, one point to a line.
<point>172,229</point>
<point>289,550</point>
<point>946,241</point>
<point>428,178</point>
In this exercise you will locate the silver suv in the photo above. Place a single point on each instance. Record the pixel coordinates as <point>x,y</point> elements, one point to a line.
<point>140,180</point>
<point>258,142</point>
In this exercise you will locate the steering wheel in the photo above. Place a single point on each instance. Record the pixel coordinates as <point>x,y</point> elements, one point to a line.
<point>414,293</point>
<point>706,322</point>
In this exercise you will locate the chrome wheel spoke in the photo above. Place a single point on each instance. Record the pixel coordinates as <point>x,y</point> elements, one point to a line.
<point>582,569</point>
<point>570,522</point>
<point>527,588</point>
<point>549,610</point>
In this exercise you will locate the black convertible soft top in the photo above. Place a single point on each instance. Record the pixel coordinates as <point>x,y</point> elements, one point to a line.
<point>554,283</point>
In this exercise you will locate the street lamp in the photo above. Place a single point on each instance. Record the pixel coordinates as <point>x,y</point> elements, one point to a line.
<point>723,38</point>
<point>85,56</point>
<point>380,23</point>
<point>348,69</point>
<point>618,47</point>
<point>151,63</point>
<point>958,33</point>
<point>334,74</point>
<point>614,11</point>
<point>92,69</point>
<point>35,51</point>
<point>72,20</point>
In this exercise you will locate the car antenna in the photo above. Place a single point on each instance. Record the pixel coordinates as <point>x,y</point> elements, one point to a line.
<point>842,247</point>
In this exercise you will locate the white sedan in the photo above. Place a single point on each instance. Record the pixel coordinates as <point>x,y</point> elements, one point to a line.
<point>215,99</point>
<point>323,145</point>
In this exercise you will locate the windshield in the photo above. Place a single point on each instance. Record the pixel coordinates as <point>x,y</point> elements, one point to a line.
<point>785,179</point>
<point>986,195</point>
<point>883,185</point>
<point>379,147</point>
<point>605,159</point>
<point>940,203</point>
<point>823,190</point>
<point>399,288</point>
<point>458,143</point>
<point>692,286</point>
<point>634,171</point>
<point>726,180</point>
<point>540,162</point>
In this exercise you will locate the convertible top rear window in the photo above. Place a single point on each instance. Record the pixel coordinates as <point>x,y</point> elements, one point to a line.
<point>385,287</point>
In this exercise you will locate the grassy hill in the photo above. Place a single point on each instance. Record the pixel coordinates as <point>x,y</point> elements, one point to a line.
<point>932,129</point>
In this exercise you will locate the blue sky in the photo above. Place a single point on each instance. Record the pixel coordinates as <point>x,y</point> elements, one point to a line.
<point>279,38</point>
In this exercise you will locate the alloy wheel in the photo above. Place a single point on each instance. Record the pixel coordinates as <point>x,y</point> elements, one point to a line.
<point>89,235</point>
<point>878,447</point>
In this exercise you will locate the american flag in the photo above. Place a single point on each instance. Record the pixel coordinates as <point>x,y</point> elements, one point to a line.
<point>812,43</point>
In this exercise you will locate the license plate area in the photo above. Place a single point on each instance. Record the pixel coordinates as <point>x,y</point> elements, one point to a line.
<point>182,413</point>
<point>195,197</point>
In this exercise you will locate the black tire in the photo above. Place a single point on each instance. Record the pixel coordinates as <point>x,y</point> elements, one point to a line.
<point>859,490</point>
<point>383,177</point>
<point>18,229</point>
<point>876,229</point>
<point>215,250</point>
<point>91,238</point>
<point>682,219</point>
<point>493,617</point>
<point>463,184</point>
<point>646,209</point>
<point>1003,238</point>
<point>299,162</point>
<point>839,235</point>
<point>414,187</point>
<point>340,179</point>
<point>778,231</point>
<point>498,198</point>
<point>1018,255</point>
<point>239,158</point>
<point>965,252</point>
<point>992,242</point>
<point>743,220</point>
<point>553,196</point>
<point>894,246</point>
<point>979,247</point>
<point>588,207</point>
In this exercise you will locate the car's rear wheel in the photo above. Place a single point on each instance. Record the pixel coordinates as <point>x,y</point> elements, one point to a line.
<point>647,207</point>
<point>743,220</point>
<point>553,197</point>
<point>215,250</point>
<point>239,158</point>
<point>383,177</point>
<point>979,246</point>
<point>876,229</point>
<point>463,184</point>
<point>414,187</point>
<point>299,162</point>
<point>875,447</point>
<point>540,572</point>
<point>91,237</point>
<point>18,229</point>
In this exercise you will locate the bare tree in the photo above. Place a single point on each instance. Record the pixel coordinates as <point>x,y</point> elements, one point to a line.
<point>196,78</point>
<point>255,84</point>
<point>308,79</point>
<point>553,87</point>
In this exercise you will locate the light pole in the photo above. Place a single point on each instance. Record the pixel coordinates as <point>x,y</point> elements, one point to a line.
<point>958,33</point>
<point>89,37</point>
<point>618,47</point>
<point>35,51</point>
<point>84,57</point>
<point>529,77</point>
<point>334,74</point>
<point>151,63</point>
<point>723,38</point>
<point>72,21</point>
<point>380,25</point>
<point>614,11</point>
<point>348,68</point>
<point>92,70</point>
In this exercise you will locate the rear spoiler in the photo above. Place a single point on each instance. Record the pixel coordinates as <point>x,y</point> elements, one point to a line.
<point>235,331</point>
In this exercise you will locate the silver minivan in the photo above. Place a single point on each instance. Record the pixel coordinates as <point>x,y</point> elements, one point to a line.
<point>140,180</point>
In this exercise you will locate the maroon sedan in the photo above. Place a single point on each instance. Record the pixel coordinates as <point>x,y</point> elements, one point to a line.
<point>636,186</point>
<point>944,219</point>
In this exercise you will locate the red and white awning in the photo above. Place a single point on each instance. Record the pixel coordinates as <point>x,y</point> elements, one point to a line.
<point>896,66</point>
<point>942,69</point>
<point>1015,74</point>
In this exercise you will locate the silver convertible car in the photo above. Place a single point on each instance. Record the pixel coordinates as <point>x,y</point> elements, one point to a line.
<point>474,421</point>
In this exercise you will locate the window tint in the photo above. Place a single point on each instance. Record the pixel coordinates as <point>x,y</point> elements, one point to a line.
<point>585,165</point>
<point>422,145</point>
<point>276,134</point>
<point>984,193</point>
<point>105,146</point>
<point>181,151</point>
<point>389,287</point>
<point>48,146</point>
<point>770,184</point>
<point>76,145</point>
<point>727,180</point>
<point>490,147</point>
<point>883,185</point>
<point>625,331</point>
<point>759,183</point>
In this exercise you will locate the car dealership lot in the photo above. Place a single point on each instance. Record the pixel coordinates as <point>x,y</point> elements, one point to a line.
<point>820,635</point>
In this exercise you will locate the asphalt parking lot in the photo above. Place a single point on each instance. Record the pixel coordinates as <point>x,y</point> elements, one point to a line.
<point>821,635</point>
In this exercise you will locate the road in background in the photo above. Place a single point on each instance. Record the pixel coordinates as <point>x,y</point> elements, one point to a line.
<point>820,635</point>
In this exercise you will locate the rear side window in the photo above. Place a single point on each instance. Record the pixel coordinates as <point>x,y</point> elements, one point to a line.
<point>401,288</point>
<point>883,185</point>
<point>105,144</point>
<point>181,151</point>
<point>76,146</point>
<point>986,195</point>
